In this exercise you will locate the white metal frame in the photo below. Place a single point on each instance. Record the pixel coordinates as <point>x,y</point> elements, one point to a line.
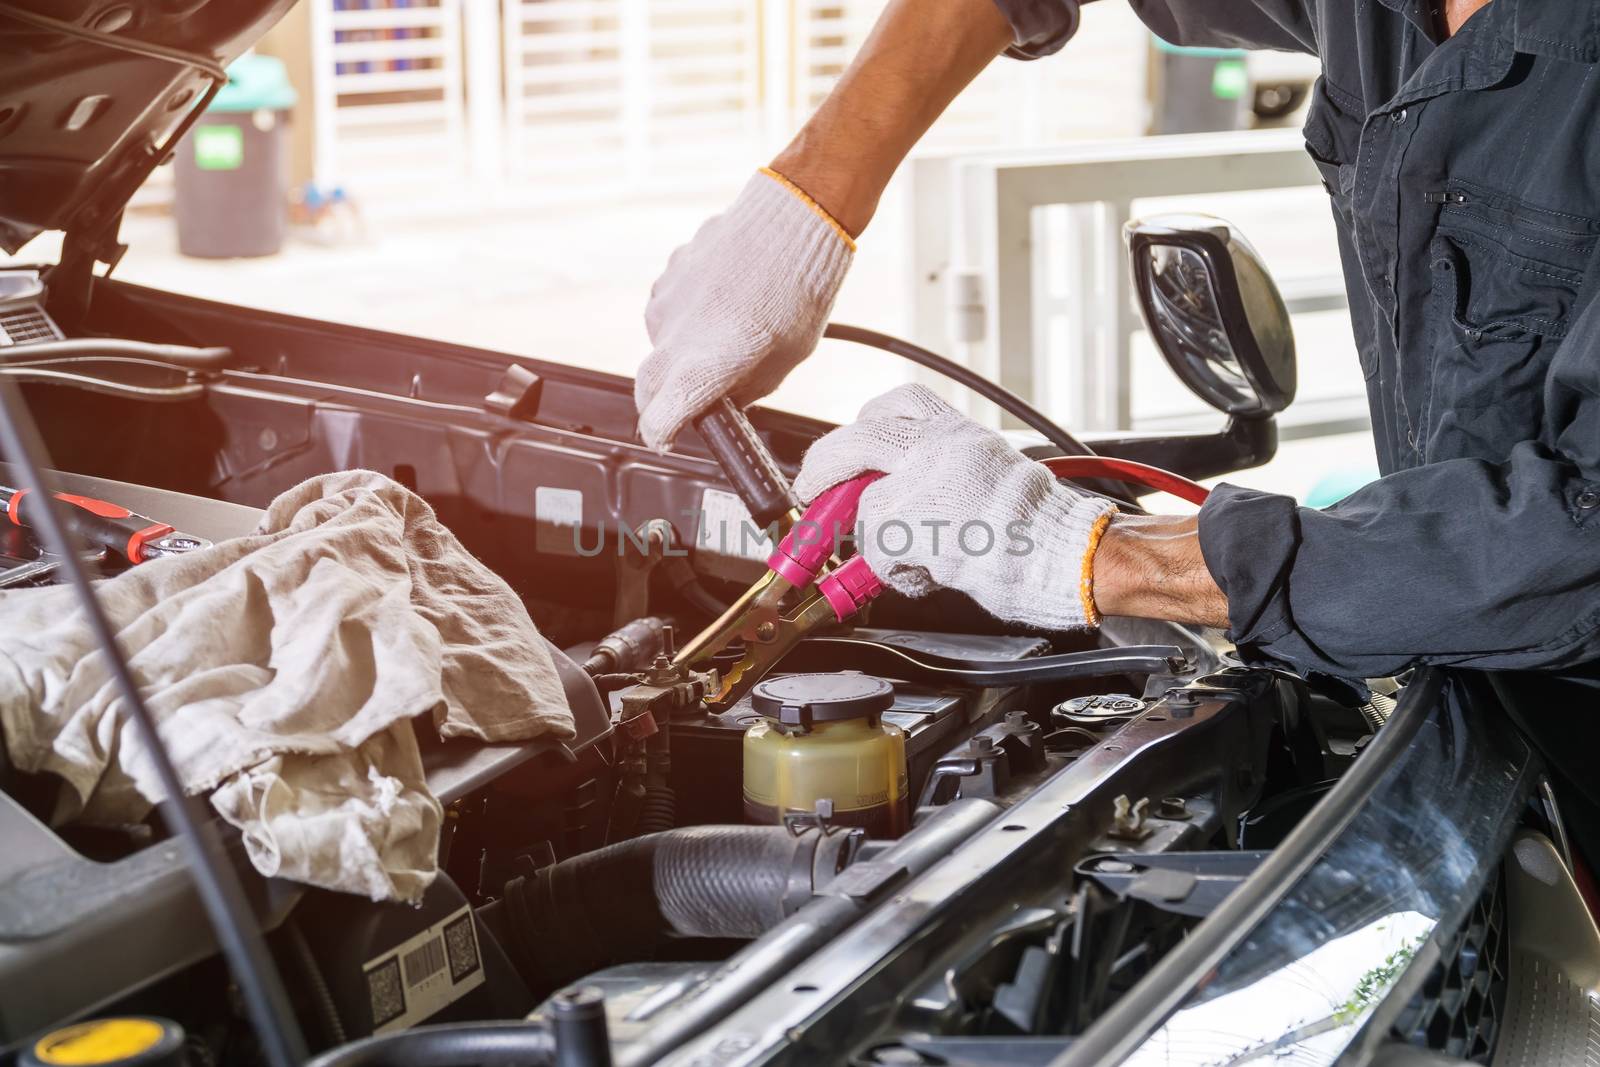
<point>597,56</point>
<point>399,141</point>
<point>626,91</point>
<point>978,248</point>
<point>603,96</point>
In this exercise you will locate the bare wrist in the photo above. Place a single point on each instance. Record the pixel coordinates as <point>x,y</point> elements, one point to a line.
<point>836,188</point>
<point>1150,566</point>
<point>920,54</point>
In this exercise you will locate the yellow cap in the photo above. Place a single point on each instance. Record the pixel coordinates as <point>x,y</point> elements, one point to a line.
<point>99,1041</point>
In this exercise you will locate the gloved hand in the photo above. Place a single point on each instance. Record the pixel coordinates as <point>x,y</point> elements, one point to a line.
<point>739,306</point>
<point>960,508</point>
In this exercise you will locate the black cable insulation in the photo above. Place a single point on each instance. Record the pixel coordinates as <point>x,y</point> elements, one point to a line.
<point>699,597</point>
<point>608,683</point>
<point>158,394</point>
<point>999,395</point>
<point>216,882</point>
<point>183,356</point>
<point>1002,397</point>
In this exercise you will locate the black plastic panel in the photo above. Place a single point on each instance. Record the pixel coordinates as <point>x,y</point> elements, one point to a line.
<point>312,397</point>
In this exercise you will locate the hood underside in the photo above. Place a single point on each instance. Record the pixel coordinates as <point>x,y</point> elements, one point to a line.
<point>93,92</point>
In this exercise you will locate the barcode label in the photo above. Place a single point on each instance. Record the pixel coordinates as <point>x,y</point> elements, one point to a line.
<point>425,973</point>
<point>461,942</point>
<point>385,992</point>
<point>424,962</point>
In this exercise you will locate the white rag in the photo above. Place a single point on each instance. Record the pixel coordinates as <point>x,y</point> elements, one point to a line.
<point>284,669</point>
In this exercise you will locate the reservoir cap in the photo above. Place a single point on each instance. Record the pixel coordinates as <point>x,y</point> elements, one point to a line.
<point>803,699</point>
<point>126,1041</point>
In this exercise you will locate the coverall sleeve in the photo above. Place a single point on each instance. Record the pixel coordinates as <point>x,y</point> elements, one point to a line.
<point>1493,565</point>
<point>1040,27</point>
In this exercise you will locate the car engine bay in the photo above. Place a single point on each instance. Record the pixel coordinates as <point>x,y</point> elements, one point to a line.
<point>799,818</point>
<point>1069,806</point>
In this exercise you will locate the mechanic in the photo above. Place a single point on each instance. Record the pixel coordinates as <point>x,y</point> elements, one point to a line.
<point>1460,147</point>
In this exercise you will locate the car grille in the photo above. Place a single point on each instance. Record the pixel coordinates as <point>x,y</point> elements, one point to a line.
<point>1460,1006</point>
<point>25,325</point>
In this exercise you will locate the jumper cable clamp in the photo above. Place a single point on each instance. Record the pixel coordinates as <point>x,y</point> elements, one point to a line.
<point>803,561</point>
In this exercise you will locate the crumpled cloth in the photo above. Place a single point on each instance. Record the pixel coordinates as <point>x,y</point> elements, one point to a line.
<point>284,669</point>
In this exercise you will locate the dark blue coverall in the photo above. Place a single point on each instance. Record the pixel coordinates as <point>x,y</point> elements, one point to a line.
<point>1464,177</point>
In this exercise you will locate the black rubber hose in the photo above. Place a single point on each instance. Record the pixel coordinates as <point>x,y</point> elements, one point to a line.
<point>618,904</point>
<point>491,1044</point>
<point>659,813</point>
<point>681,576</point>
<point>316,983</point>
<point>700,598</point>
<point>757,966</point>
<point>1002,397</point>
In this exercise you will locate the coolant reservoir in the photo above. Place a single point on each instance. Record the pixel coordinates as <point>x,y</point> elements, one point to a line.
<point>822,737</point>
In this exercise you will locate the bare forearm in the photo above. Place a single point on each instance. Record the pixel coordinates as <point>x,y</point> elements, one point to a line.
<point>1150,567</point>
<point>919,56</point>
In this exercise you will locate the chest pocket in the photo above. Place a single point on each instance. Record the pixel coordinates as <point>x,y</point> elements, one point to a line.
<point>1506,278</point>
<point>1514,267</point>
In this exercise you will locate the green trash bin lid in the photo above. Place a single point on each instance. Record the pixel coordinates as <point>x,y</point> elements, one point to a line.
<point>255,83</point>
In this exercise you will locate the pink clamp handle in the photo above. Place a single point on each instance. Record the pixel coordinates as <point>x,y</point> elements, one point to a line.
<point>808,544</point>
<point>850,587</point>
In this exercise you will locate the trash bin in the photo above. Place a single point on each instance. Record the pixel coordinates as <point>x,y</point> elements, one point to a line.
<point>1196,90</point>
<point>231,182</point>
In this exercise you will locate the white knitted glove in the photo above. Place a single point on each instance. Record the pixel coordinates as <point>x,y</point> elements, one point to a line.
<point>961,508</point>
<point>739,306</point>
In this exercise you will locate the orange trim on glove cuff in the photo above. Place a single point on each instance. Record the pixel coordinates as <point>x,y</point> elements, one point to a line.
<point>821,211</point>
<point>1091,613</point>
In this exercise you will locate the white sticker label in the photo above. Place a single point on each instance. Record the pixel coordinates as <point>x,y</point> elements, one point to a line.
<point>557,516</point>
<point>423,974</point>
<point>726,528</point>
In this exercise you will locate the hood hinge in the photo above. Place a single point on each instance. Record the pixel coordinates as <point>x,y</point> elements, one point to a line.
<point>71,281</point>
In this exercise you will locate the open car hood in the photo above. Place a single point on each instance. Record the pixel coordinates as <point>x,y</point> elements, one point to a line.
<point>93,94</point>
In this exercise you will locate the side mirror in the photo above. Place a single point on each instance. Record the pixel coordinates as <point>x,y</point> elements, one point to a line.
<point>1214,311</point>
